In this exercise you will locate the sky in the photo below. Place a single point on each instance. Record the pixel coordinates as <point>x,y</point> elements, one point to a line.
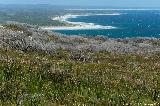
<point>111,3</point>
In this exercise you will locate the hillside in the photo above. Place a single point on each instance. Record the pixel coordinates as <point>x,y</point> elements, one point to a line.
<point>44,68</point>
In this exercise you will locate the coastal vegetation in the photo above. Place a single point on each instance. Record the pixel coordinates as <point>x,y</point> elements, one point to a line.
<point>43,68</point>
<point>40,15</point>
<point>33,78</point>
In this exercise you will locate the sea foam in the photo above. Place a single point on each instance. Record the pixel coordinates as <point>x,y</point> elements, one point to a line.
<point>81,25</point>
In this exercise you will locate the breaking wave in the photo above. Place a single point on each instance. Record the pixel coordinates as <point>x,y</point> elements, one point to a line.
<point>81,25</point>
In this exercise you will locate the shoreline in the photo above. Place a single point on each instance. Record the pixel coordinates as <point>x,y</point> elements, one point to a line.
<point>78,25</point>
<point>84,27</point>
<point>131,9</point>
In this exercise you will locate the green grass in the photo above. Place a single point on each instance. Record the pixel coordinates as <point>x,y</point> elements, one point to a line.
<point>104,79</point>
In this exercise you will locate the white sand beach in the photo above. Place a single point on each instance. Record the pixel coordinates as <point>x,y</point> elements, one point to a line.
<point>78,27</point>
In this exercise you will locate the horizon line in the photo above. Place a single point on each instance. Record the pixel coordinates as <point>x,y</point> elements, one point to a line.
<point>107,7</point>
<point>99,9</point>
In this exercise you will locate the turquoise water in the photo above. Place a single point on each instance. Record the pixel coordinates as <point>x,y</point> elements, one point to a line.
<point>128,24</point>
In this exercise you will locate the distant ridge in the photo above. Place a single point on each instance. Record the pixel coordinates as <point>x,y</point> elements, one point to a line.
<point>132,9</point>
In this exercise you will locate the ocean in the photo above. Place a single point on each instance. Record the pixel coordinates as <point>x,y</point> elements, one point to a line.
<point>128,24</point>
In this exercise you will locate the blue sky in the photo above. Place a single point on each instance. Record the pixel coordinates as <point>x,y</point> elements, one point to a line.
<point>116,3</point>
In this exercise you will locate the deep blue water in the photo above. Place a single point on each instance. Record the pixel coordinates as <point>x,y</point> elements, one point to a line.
<point>129,24</point>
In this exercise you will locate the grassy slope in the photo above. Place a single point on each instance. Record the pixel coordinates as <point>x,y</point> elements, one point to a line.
<point>38,79</point>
